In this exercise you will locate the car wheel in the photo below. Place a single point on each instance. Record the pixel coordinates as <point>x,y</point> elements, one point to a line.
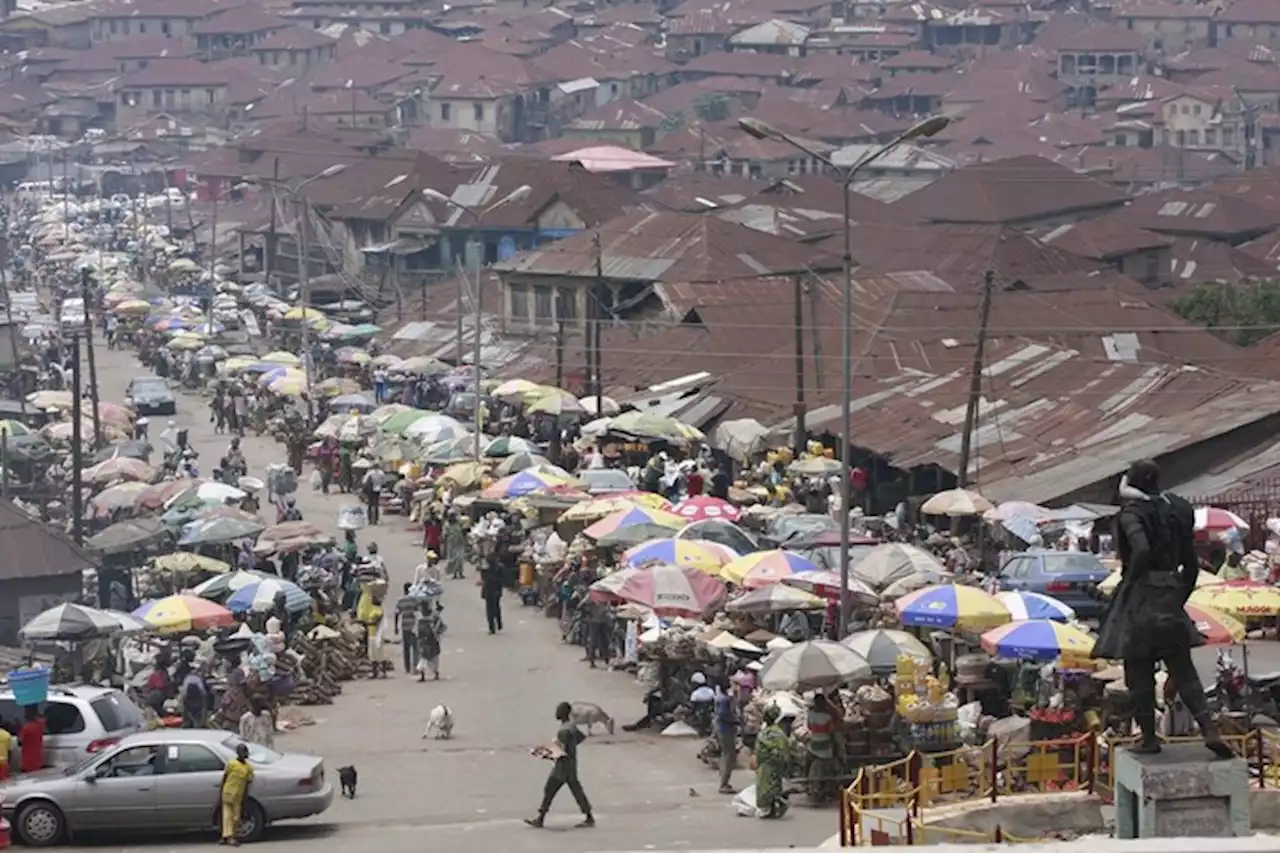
<point>40,824</point>
<point>253,822</point>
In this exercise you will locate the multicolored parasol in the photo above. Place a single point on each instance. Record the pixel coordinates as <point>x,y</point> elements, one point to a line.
<point>181,613</point>
<point>704,507</point>
<point>631,517</point>
<point>1039,639</point>
<point>525,483</point>
<point>1239,598</point>
<point>677,552</point>
<point>951,606</point>
<point>764,568</point>
<point>673,590</point>
<point>1034,605</point>
<point>1217,628</point>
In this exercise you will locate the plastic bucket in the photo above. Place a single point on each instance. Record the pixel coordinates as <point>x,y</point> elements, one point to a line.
<point>30,686</point>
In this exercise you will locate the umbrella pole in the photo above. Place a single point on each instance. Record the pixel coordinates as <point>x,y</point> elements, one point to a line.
<point>4,464</point>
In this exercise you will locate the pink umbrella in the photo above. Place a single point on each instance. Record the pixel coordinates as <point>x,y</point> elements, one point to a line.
<point>1216,518</point>
<point>827,584</point>
<point>673,590</point>
<point>702,507</point>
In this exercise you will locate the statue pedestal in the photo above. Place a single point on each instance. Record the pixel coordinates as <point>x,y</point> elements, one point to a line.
<point>1181,792</point>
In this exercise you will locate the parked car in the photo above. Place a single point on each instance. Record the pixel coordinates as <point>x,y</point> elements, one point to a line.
<point>80,721</point>
<point>150,395</point>
<point>164,781</point>
<point>1069,576</point>
<point>604,481</point>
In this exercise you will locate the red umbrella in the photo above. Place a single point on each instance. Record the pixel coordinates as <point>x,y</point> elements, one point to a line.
<point>702,507</point>
<point>672,590</point>
<point>1217,518</point>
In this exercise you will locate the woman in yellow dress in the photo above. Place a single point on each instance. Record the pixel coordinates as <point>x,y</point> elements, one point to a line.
<point>236,779</point>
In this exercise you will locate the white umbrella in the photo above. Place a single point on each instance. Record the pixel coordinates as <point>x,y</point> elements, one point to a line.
<point>433,428</point>
<point>956,503</point>
<point>775,598</point>
<point>608,405</point>
<point>69,622</point>
<point>882,648</point>
<point>889,565</point>
<point>813,665</point>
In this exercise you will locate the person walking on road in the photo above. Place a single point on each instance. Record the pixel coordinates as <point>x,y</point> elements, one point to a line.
<point>236,779</point>
<point>564,772</point>
<point>430,629</point>
<point>407,617</point>
<point>727,735</point>
<point>491,592</point>
<point>371,485</point>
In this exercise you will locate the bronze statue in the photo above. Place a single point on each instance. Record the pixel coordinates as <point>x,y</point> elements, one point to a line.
<point>1146,623</point>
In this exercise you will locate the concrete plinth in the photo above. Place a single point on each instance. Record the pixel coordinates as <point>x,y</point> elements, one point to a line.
<point>1180,792</point>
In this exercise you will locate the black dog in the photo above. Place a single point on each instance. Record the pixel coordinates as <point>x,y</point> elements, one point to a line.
<point>349,778</point>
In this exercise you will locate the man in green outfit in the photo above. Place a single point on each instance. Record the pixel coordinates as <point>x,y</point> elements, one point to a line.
<point>565,770</point>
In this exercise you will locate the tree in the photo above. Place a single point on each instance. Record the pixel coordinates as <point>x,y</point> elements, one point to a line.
<point>1242,314</point>
<point>712,106</point>
<point>673,122</point>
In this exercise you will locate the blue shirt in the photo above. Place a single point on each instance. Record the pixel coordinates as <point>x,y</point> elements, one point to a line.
<point>725,720</point>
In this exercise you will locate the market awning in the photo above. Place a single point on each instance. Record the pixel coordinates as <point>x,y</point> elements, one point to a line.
<point>402,246</point>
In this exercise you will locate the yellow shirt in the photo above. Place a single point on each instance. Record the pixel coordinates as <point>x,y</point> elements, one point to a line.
<point>6,746</point>
<point>235,779</point>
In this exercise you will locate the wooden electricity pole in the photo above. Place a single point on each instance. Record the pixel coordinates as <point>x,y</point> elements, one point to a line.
<point>975,381</point>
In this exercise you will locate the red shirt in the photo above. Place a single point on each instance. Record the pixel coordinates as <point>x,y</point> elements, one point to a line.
<point>694,484</point>
<point>31,739</point>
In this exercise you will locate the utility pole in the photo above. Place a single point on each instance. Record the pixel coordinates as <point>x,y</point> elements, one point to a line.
<point>17,371</point>
<point>269,253</point>
<point>461,299</point>
<point>596,369</point>
<point>77,448</point>
<point>799,405</point>
<point>304,284</point>
<point>975,381</point>
<point>85,279</point>
<point>560,356</point>
<point>475,293</point>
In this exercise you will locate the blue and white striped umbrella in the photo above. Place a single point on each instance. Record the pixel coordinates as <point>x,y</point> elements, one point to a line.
<point>261,597</point>
<point>1033,605</point>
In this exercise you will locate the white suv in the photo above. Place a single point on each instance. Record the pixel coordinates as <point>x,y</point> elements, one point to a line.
<point>80,720</point>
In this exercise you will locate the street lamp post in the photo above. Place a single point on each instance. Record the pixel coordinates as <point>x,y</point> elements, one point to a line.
<point>847,175</point>
<point>477,217</point>
<point>293,191</point>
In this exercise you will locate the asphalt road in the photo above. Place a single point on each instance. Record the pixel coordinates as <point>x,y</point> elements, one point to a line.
<point>472,792</point>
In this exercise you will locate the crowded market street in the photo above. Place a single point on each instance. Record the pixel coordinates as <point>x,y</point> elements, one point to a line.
<point>473,791</point>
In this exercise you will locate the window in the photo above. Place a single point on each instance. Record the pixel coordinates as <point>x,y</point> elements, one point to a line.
<point>142,28</point>
<point>445,110</point>
<point>1152,270</point>
<point>1015,568</point>
<point>156,97</point>
<point>169,98</point>
<point>211,96</point>
<point>384,28</point>
<point>115,712</point>
<point>164,27</point>
<point>124,26</point>
<point>63,718</point>
<point>542,304</point>
<point>1195,109</point>
<point>519,294</point>
<point>135,761</point>
<point>1185,109</point>
<point>1194,136</point>
<point>478,109</point>
<point>1210,136</point>
<point>191,758</point>
<point>566,304</point>
<point>112,26</point>
<point>1228,136</point>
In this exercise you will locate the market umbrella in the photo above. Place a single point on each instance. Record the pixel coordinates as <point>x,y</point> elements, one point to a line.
<point>882,648</point>
<point>353,355</point>
<point>206,494</point>
<point>607,587</point>
<point>895,569</point>
<point>525,483</point>
<point>362,403</point>
<point>1217,628</point>
<point>181,613</point>
<point>519,461</point>
<point>1008,510</point>
<point>434,428</point>
<point>704,507</point>
<point>220,587</point>
<point>289,385</point>
<point>607,405</point>
<point>673,590</point>
<point>556,402</point>
<point>278,357</point>
<point>956,503</point>
<point>827,583</point>
<point>634,515</point>
<point>389,448</point>
<point>775,598</point>
<point>766,567</point>
<point>158,495</point>
<point>126,536</point>
<point>951,606</point>
<point>679,552</point>
<point>290,536</point>
<point>597,508</point>
<point>515,389</point>
<point>184,561</point>
<point>651,425</point>
<point>70,622</point>
<point>423,365</point>
<point>387,411</point>
<point>219,530</point>
<point>815,466</point>
<point>453,450</point>
<point>466,475</point>
<point>119,468</point>
<point>51,399</point>
<point>337,385</point>
<point>118,497</point>
<point>1034,605</point>
<point>1203,578</point>
<point>813,665</point>
<point>508,445</point>
<point>397,422</point>
<point>128,449</point>
<point>1239,598</point>
<point>387,361</point>
<point>629,537</point>
<point>260,597</point>
<point>1214,518</point>
<point>1041,640</point>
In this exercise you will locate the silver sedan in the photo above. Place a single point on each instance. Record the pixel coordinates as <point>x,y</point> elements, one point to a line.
<point>165,781</point>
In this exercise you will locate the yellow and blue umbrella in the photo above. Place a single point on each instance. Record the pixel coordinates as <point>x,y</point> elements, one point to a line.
<point>766,567</point>
<point>951,606</point>
<point>1039,639</point>
<point>280,357</point>
<point>1034,605</point>
<point>181,613</point>
<point>525,483</point>
<point>677,552</point>
<point>631,517</point>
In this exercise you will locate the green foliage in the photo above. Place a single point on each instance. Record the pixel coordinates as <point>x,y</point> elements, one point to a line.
<point>713,106</point>
<point>1242,314</point>
<point>673,122</point>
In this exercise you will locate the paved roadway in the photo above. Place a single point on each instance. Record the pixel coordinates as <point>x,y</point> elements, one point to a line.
<point>472,792</point>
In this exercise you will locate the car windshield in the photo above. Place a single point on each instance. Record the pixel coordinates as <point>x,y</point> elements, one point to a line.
<point>117,712</point>
<point>257,754</point>
<point>1065,562</point>
<point>153,386</point>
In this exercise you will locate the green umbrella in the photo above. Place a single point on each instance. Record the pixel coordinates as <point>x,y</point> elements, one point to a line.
<point>398,423</point>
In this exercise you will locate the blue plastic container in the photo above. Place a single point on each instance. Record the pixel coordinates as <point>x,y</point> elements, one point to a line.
<point>30,686</point>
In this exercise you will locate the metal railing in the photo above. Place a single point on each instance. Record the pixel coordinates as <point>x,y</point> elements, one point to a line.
<point>883,804</point>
